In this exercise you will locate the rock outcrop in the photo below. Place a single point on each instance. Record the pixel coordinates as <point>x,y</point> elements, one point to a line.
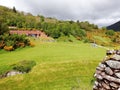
<point>13,73</point>
<point>108,72</point>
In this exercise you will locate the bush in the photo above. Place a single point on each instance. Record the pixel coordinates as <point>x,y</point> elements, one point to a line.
<point>8,48</point>
<point>32,44</point>
<point>13,40</point>
<point>20,44</point>
<point>81,33</point>
<point>9,43</point>
<point>24,66</point>
<point>2,44</point>
<point>3,28</point>
<point>86,40</point>
<point>110,32</point>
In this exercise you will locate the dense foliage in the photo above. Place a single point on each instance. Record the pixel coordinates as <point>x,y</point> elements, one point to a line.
<point>51,26</point>
<point>110,32</point>
<point>3,26</point>
<point>57,29</point>
<point>11,42</point>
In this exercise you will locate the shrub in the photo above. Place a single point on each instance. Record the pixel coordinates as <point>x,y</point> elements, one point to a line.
<point>14,41</point>
<point>2,44</point>
<point>78,38</point>
<point>32,44</point>
<point>110,32</point>
<point>9,43</point>
<point>24,66</point>
<point>81,33</point>
<point>63,38</point>
<point>3,28</point>
<point>20,44</point>
<point>86,40</point>
<point>8,48</point>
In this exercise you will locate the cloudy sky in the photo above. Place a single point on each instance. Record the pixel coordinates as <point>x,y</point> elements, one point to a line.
<point>100,12</point>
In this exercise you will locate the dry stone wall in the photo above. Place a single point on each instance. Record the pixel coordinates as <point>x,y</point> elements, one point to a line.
<point>108,72</point>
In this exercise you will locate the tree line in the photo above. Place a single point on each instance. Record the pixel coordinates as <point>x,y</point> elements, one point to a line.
<point>51,26</point>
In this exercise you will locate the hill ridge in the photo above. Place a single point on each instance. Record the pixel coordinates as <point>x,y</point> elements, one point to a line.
<point>115,26</point>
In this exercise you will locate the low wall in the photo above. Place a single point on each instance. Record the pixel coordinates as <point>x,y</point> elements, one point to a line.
<point>107,73</point>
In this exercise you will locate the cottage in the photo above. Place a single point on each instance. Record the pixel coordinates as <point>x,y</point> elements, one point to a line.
<point>33,33</point>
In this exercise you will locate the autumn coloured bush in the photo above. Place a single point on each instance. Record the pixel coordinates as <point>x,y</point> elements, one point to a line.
<point>11,42</point>
<point>31,44</point>
<point>8,48</point>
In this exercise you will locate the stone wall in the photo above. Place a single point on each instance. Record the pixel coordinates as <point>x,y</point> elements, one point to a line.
<point>108,72</point>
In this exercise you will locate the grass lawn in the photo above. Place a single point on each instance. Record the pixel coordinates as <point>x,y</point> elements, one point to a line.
<point>60,66</point>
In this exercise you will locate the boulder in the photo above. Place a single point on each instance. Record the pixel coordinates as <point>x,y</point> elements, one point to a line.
<point>12,73</point>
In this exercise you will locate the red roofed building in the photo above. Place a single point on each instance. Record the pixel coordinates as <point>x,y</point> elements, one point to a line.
<point>34,33</point>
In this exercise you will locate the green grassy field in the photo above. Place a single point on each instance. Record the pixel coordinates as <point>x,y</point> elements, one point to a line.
<point>60,66</point>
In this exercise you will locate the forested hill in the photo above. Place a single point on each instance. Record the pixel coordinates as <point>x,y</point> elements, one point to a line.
<point>51,26</point>
<point>58,29</point>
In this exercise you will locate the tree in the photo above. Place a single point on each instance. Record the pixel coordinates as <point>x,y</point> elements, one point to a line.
<point>14,10</point>
<point>78,22</point>
<point>66,29</point>
<point>38,25</point>
<point>44,26</point>
<point>19,24</point>
<point>3,27</point>
<point>81,33</point>
<point>110,32</point>
<point>42,18</point>
<point>29,21</point>
<point>71,22</point>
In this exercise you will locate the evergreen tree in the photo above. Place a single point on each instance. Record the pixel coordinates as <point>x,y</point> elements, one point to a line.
<point>3,27</point>
<point>14,10</point>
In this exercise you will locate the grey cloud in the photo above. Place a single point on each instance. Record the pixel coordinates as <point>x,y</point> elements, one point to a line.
<point>101,12</point>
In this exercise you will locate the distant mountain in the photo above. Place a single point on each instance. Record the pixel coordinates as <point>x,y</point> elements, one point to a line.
<point>115,26</point>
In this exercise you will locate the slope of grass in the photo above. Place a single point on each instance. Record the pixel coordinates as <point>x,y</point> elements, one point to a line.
<point>60,66</point>
<point>105,41</point>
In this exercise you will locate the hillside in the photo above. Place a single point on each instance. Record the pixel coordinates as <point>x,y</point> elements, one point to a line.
<point>66,63</point>
<point>115,26</point>
<point>58,29</point>
<point>60,66</point>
